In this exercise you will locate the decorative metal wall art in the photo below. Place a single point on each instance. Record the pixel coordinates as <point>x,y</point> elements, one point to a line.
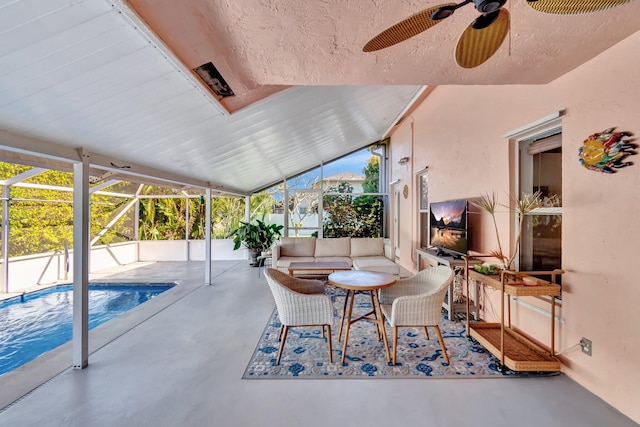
<point>606,151</point>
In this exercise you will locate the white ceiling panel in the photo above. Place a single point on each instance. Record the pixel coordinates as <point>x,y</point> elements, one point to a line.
<point>80,74</point>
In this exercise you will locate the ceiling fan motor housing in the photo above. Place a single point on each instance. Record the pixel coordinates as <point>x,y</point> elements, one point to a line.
<point>488,6</point>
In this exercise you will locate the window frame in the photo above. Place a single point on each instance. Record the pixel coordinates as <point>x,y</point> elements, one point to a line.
<point>545,126</point>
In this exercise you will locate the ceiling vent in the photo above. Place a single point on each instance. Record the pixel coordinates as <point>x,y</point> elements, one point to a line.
<point>212,77</point>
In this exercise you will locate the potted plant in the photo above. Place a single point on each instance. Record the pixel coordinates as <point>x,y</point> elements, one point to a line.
<point>522,205</point>
<point>256,237</point>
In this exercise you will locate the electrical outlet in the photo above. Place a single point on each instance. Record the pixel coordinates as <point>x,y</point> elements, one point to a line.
<point>585,344</point>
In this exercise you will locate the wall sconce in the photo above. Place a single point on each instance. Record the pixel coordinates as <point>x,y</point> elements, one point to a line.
<point>403,160</point>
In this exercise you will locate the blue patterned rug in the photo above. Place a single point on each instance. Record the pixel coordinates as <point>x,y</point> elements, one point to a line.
<point>306,355</point>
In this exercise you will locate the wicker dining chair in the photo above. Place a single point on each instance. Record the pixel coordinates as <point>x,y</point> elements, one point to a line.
<point>300,302</point>
<point>417,301</point>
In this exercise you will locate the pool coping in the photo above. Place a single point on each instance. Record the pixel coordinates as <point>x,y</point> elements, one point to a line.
<point>21,381</point>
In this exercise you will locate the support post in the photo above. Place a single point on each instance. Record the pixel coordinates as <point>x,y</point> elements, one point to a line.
<point>321,203</point>
<point>285,205</point>
<point>186,226</point>
<point>186,218</point>
<point>4,285</point>
<point>207,239</point>
<point>247,213</point>
<point>136,224</point>
<point>81,261</point>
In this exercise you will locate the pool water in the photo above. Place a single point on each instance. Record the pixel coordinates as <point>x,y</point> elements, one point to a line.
<point>36,322</point>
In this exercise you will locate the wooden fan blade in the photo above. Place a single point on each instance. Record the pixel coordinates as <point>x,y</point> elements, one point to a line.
<point>571,7</point>
<point>476,46</point>
<point>413,25</point>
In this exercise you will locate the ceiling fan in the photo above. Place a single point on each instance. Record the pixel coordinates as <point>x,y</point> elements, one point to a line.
<point>485,34</point>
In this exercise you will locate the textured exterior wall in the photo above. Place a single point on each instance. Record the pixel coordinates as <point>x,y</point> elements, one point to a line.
<point>457,132</point>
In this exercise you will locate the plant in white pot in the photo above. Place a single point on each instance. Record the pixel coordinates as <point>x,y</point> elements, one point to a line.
<point>256,236</point>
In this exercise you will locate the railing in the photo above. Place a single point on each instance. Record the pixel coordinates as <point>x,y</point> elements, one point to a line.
<point>45,268</point>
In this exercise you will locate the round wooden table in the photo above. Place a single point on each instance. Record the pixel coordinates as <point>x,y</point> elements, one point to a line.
<point>367,281</point>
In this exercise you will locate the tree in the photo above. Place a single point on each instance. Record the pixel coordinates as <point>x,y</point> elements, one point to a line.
<point>371,172</point>
<point>42,220</point>
<point>301,204</point>
<point>227,212</point>
<point>349,216</point>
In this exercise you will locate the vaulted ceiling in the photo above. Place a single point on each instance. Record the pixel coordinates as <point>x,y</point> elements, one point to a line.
<point>115,77</point>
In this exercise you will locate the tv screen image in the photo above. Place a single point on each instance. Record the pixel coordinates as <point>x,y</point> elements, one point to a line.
<point>448,224</point>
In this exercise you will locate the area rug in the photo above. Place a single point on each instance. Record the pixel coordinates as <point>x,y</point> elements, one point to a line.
<point>306,354</point>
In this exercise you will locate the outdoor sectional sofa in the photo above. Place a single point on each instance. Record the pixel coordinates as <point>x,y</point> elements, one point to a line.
<point>359,253</point>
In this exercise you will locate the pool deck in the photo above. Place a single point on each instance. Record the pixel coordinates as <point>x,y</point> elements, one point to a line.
<point>178,360</point>
<point>22,380</point>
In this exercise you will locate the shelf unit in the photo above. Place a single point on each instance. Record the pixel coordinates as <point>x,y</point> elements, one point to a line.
<point>431,258</point>
<point>514,350</point>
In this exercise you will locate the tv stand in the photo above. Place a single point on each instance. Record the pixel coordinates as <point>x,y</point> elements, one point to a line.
<point>441,253</point>
<point>434,256</point>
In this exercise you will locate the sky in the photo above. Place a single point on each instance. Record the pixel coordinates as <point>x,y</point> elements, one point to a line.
<point>354,162</point>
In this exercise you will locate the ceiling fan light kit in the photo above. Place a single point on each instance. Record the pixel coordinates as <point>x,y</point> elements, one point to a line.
<point>484,36</point>
<point>488,6</point>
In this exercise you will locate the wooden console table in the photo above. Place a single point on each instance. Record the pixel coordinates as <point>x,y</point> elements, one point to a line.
<point>514,350</point>
<point>431,258</point>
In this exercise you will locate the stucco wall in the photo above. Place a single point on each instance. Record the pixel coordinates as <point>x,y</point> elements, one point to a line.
<point>457,132</point>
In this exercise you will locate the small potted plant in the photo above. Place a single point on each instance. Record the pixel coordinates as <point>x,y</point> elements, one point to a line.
<point>256,237</point>
<point>523,205</point>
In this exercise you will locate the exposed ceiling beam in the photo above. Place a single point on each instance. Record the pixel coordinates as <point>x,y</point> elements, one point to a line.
<point>35,161</point>
<point>128,168</point>
<point>29,145</point>
<point>26,149</point>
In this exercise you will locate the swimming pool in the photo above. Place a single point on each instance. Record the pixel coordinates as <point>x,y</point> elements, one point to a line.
<point>36,322</point>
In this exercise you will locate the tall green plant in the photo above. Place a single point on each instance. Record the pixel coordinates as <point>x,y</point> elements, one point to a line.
<point>523,205</point>
<point>258,236</point>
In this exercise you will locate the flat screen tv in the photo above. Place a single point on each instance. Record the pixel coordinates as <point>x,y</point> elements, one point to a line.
<point>448,227</point>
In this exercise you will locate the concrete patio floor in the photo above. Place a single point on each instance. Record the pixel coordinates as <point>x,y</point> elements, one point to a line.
<point>178,360</point>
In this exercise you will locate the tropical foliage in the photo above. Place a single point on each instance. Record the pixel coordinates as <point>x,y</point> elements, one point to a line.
<point>350,216</point>
<point>166,218</point>
<point>371,175</point>
<point>42,219</point>
<point>256,236</point>
<point>523,205</point>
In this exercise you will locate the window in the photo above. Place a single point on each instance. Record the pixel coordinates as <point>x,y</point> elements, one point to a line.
<point>343,197</point>
<point>541,170</point>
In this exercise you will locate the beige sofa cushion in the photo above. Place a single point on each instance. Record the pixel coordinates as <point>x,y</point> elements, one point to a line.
<point>333,247</point>
<point>297,246</point>
<point>363,246</point>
